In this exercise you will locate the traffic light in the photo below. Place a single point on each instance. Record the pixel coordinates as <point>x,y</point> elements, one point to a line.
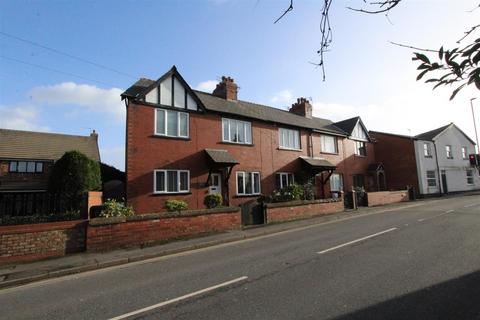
<point>474,159</point>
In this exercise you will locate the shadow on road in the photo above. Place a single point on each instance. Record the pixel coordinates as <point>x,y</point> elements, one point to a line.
<point>458,298</point>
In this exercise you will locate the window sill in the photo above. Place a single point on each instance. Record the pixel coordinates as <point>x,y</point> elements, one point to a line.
<point>428,157</point>
<point>288,149</point>
<point>360,156</point>
<point>170,137</point>
<point>331,153</point>
<point>171,193</point>
<point>237,143</point>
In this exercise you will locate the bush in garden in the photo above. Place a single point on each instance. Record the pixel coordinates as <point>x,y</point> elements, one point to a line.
<point>113,208</point>
<point>72,176</point>
<point>213,200</point>
<point>288,193</point>
<point>176,205</point>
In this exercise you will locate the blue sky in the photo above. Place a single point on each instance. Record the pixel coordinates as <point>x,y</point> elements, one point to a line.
<point>206,39</point>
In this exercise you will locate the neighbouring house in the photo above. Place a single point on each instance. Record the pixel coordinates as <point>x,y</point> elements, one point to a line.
<point>434,162</point>
<point>184,144</point>
<point>26,158</point>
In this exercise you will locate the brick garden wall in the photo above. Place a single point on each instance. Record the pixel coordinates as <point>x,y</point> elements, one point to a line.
<point>144,230</point>
<point>385,197</point>
<point>37,241</point>
<point>287,211</point>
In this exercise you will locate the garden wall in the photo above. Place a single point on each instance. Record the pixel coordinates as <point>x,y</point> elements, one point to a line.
<point>293,210</point>
<point>143,230</point>
<point>385,197</point>
<point>38,241</point>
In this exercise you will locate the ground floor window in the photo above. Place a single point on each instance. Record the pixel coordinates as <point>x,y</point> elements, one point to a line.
<point>470,177</point>
<point>171,181</point>
<point>336,182</point>
<point>358,181</point>
<point>248,183</point>
<point>26,166</point>
<point>431,178</point>
<point>283,179</point>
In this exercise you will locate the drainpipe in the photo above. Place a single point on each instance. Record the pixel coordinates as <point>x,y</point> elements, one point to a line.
<point>438,170</point>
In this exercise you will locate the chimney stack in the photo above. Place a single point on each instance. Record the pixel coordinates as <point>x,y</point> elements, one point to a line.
<point>302,107</point>
<point>226,89</point>
<point>94,134</point>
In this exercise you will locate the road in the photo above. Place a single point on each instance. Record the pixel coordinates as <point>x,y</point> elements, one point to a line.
<point>421,262</point>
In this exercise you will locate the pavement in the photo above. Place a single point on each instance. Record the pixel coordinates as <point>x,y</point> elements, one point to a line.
<point>23,273</point>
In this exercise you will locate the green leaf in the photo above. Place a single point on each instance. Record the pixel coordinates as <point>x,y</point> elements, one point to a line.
<point>476,58</point>
<point>440,53</point>
<point>422,57</point>
<point>454,93</point>
<point>432,80</point>
<point>422,74</point>
<point>423,66</point>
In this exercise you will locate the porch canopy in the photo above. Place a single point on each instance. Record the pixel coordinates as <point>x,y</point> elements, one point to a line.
<point>318,165</point>
<point>220,158</point>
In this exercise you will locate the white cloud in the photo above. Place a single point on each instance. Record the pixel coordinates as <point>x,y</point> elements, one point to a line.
<point>20,117</point>
<point>90,97</point>
<point>114,156</point>
<point>207,86</point>
<point>282,98</point>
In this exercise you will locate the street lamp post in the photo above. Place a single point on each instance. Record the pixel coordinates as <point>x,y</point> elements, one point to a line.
<point>474,124</point>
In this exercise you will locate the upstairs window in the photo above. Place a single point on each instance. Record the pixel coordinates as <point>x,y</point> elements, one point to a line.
<point>171,123</point>
<point>329,144</point>
<point>237,131</point>
<point>171,181</point>
<point>448,151</point>
<point>360,148</point>
<point>26,166</point>
<point>426,150</point>
<point>358,133</point>
<point>464,153</point>
<point>431,178</point>
<point>289,139</point>
<point>283,179</point>
<point>171,92</point>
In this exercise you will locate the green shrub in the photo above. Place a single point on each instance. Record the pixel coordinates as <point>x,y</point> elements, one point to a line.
<point>72,176</point>
<point>113,208</point>
<point>176,205</point>
<point>213,200</point>
<point>288,193</point>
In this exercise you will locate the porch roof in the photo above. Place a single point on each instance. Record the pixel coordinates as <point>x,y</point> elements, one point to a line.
<point>220,157</point>
<point>319,164</point>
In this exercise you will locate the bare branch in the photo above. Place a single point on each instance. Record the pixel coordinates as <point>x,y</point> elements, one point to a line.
<point>384,6</point>
<point>467,33</point>
<point>412,47</point>
<point>290,8</point>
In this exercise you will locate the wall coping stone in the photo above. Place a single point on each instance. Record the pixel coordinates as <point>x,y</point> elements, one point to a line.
<point>40,227</point>
<point>391,192</point>
<point>162,215</point>
<point>301,202</point>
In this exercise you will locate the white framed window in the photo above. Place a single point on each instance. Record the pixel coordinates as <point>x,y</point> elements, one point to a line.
<point>248,183</point>
<point>426,150</point>
<point>26,166</point>
<point>236,131</point>
<point>448,152</point>
<point>464,153</point>
<point>336,182</point>
<point>171,123</point>
<point>171,181</point>
<point>329,144</point>
<point>289,139</point>
<point>283,179</point>
<point>431,178</point>
<point>360,148</point>
<point>469,177</point>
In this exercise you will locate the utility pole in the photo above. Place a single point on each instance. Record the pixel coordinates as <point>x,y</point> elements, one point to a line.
<point>474,124</point>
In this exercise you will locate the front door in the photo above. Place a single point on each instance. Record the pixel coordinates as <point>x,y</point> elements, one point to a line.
<point>216,183</point>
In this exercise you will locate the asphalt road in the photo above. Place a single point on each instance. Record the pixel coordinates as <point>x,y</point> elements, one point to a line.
<point>422,262</point>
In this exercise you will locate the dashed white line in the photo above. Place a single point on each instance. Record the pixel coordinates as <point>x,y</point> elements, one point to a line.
<point>449,211</point>
<point>470,205</point>
<point>187,296</point>
<point>355,241</point>
<point>438,215</point>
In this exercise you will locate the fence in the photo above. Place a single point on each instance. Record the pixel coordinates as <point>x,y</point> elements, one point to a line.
<point>31,203</point>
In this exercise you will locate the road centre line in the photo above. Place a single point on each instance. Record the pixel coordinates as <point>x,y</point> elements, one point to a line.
<point>438,215</point>
<point>470,205</point>
<point>358,240</point>
<point>184,297</point>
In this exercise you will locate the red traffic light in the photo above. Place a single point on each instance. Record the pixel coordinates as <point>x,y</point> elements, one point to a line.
<point>474,159</point>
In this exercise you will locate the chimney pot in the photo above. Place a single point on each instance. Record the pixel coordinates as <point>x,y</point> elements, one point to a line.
<point>302,107</point>
<point>226,89</point>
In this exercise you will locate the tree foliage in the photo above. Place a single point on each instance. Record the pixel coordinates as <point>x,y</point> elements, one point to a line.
<point>72,176</point>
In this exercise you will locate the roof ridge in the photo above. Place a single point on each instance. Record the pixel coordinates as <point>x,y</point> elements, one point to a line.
<point>46,133</point>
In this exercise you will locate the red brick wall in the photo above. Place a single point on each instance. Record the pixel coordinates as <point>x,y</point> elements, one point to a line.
<point>385,197</point>
<point>278,212</point>
<point>145,152</point>
<point>103,235</point>
<point>37,241</point>
<point>397,153</point>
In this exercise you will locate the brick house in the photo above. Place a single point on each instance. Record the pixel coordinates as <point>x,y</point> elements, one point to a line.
<point>26,158</point>
<point>433,162</point>
<point>184,144</point>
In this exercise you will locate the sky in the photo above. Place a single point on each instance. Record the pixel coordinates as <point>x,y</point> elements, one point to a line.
<point>64,64</point>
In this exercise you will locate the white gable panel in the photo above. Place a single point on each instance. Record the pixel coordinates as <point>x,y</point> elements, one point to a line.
<point>166,92</point>
<point>191,104</point>
<point>179,94</point>
<point>152,96</point>
<point>359,133</point>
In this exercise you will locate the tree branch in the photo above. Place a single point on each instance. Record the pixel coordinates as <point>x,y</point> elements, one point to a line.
<point>290,8</point>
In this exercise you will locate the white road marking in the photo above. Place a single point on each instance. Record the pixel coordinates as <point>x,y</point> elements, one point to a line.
<point>184,297</point>
<point>358,240</point>
<point>470,205</point>
<point>438,215</point>
<point>449,211</point>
